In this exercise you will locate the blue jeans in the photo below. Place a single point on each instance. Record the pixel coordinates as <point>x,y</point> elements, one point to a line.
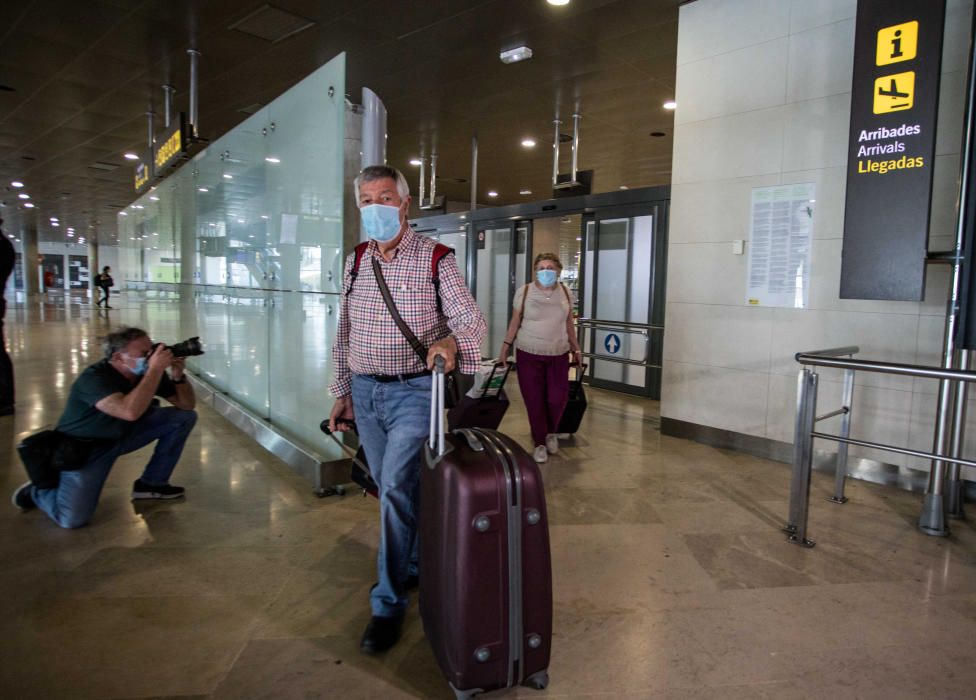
<point>72,503</point>
<point>393,419</point>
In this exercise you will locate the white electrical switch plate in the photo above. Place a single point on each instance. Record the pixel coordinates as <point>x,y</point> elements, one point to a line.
<point>738,247</point>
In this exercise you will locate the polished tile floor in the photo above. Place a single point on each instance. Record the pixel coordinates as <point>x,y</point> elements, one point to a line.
<point>672,579</point>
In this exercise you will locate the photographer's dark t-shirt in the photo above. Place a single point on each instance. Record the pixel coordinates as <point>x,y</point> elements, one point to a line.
<point>82,419</point>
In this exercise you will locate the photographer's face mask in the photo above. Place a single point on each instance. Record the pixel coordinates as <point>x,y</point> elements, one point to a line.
<point>139,368</point>
<point>381,222</point>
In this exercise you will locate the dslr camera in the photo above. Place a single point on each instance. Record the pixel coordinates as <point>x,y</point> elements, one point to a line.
<point>187,348</point>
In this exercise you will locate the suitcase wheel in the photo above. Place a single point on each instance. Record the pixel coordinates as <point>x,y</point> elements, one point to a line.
<point>337,490</point>
<point>537,681</point>
<point>465,694</point>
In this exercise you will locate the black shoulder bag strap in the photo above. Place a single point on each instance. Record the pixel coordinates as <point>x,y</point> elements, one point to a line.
<point>417,346</point>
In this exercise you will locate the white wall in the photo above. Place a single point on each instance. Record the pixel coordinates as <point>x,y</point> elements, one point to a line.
<point>763,93</point>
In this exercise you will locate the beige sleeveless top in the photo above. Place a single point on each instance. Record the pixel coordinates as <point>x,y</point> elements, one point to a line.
<point>543,330</point>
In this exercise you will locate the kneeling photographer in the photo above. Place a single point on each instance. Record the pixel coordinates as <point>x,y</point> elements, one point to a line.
<point>111,412</point>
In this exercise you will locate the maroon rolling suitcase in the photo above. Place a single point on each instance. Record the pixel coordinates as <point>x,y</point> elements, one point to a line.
<point>485,567</point>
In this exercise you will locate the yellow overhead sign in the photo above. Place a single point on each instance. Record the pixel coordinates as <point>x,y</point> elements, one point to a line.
<point>894,93</point>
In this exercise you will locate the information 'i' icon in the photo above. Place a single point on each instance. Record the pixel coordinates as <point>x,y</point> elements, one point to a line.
<point>897,43</point>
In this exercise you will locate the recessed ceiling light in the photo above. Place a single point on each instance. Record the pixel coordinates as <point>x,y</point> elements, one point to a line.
<point>624,187</point>
<point>558,3</point>
<point>24,195</point>
<point>28,205</point>
<point>123,213</point>
<point>16,183</point>
<point>131,156</point>
<point>525,191</point>
<point>154,198</point>
<point>528,143</point>
<point>416,161</point>
<point>55,224</point>
<point>54,218</point>
<point>240,221</point>
<point>228,176</point>
<point>264,216</point>
<point>670,104</point>
<point>579,238</point>
<point>520,53</point>
<point>202,189</point>
<point>272,159</point>
<point>492,193</point>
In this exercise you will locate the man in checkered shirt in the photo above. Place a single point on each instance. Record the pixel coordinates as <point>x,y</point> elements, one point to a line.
<point>381,382</point>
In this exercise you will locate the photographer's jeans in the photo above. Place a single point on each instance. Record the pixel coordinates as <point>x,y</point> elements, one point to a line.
<point>73,502</point>
<point>393,419</point>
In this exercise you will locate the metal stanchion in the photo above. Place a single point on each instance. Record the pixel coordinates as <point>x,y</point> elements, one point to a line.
<point>840,472</point>
<point>954,483</point>
<point>802,458</point>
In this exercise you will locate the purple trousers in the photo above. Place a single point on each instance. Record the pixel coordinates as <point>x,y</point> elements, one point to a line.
<point>544,381</point>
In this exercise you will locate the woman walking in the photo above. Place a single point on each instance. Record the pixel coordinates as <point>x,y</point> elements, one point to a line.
<point>543,333</point>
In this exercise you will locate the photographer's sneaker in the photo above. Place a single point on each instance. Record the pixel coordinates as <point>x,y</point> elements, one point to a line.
<point>156,492</point>
<point>22,497</point>
<point>540,454</point>
<point>552,443</point>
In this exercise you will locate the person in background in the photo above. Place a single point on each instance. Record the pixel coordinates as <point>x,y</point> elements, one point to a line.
<point>104,282</point>
<point>7,258</point>
<point>544,336</point>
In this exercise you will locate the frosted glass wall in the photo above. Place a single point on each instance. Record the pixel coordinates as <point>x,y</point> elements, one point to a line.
<point>246,241</point>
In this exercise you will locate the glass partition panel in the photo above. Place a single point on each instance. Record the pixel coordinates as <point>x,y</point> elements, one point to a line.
<point>246,240</point>
<point>494,282</point>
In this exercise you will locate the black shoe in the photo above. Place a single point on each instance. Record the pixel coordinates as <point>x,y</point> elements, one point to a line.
<point>381,634</point>
<point>143,491</point>
<point>22,497</point>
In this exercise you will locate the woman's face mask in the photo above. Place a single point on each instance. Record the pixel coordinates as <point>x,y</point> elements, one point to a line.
<point>381,222</point>
<point>546,278</point>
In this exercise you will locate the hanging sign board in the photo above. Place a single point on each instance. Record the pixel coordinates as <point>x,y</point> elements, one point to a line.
<point>171,146</point>
<point>894,101</point>
<point>143,172</point>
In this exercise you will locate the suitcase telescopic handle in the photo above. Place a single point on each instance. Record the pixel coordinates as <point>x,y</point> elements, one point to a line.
<point>437,407</point>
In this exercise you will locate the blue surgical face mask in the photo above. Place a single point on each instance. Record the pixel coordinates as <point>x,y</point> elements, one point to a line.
<point>546,278</point>
<point>140,368</point>
<point>382,222</point>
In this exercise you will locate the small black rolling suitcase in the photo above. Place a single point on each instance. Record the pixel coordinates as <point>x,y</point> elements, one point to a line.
<point>359,472</point>
<point>485,564</point>
<point>576,406</point>
<point>487,410</point>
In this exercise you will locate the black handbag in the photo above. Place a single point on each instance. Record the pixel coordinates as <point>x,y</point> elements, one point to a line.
<point>456,383</point>
<point>48,453</point>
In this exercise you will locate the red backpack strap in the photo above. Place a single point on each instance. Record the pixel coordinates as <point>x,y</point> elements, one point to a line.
<point>358,252</point>
<point>440,251</point>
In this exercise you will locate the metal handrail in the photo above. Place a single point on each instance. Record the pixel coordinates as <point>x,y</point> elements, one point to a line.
<point>806,419</point>
<point>597,323</point>
<point>806,358</point>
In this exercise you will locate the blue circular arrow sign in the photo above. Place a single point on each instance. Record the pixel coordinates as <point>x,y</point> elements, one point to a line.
<point>612,343</point>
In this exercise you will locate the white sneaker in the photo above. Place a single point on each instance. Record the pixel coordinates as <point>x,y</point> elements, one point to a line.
<point>552,443</point>
<point>540,454</point>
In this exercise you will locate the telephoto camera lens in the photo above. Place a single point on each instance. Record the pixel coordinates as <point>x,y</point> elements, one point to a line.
<point>187,348</point>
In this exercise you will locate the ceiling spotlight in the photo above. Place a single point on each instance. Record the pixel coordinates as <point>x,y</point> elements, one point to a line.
<point>28,205</point>
<point>24,195</point>
<point>228,176</point>
<point>17,183</point>
<point>123,213</point>
<point>154,198</point>
<point>264,216</point>
<point>521,53</point>
<point>492,193</point>
<point>624,187</point>
<point>528,143</point>
<point>202,189</point>
<point>416,161</point>
<point>240,221</point>
<point>272,159</point>
<point>54,218</point>
<point>670,104</point>
<point>525,191</point>
<point>558,3</point>
<point>131,156</point>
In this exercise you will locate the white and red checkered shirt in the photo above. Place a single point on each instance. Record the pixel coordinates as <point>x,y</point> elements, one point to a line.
<point>368,340</point>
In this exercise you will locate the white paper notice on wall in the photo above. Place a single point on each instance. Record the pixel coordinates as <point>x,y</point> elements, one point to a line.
<point>289,228</point>
<point>780,237</point>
